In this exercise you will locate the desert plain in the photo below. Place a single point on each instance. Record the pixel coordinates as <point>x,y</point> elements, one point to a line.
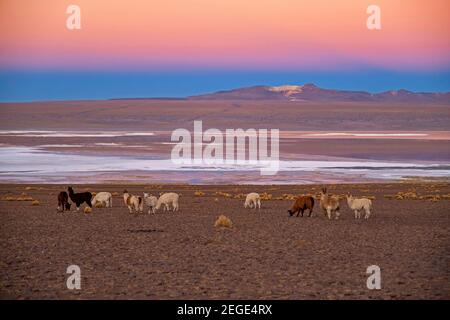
<point>265,254</point>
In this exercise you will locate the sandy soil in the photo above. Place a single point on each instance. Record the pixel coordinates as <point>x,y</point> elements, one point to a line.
<point>158,115</point>
<point>265,255</point>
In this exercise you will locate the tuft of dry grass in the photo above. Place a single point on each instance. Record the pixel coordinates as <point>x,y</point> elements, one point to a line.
<point>223,194</point>
<point>17,198</point>
<point>289,196</point>
<point>100,204</point>
<point>265,196</point>
<point>87,210</point>
<point>223,222</point>
<point>199,193</point>
<point>35,203</point>
<point>216,199</point>
<point>412,194</point>
<point>115,194</point>
<point>94,194</point>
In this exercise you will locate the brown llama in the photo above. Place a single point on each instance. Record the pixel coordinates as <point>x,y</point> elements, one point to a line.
<point>301,204</point>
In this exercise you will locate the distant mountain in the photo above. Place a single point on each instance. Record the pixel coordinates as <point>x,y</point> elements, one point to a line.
<point>311,92</point>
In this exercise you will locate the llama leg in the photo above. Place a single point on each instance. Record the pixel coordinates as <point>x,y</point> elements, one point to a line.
<point>329,214</point>
<point>337,214</point>
<point>356,214</point>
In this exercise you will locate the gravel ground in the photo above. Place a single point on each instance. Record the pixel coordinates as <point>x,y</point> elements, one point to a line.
<point>265,255</point>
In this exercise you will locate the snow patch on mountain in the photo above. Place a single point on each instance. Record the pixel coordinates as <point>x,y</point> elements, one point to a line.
<point>287,90</point>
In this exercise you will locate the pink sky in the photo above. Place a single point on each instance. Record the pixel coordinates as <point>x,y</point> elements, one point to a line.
<point>251,34</point>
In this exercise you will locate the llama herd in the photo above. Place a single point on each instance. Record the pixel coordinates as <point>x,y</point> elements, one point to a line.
<point>329,204</point>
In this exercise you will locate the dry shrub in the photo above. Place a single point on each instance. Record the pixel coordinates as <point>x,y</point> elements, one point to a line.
<point>239,196</point>
<point>87,210</point>
<point>115,194</point>
<point>223,194</point>
<point>199,193</point>
<point>100,204</point>
<point>223,222</point>
<point>31,188</point>
<point>285,196</point>
<point>289,196</point>
<point>24,198</point>
<point>19,198</point>
<point>94,194</point>
<point>216,199</point>
<point>410,194</point>
<point>265,196</point>
<point>35,203</point>
<point>433,198</point>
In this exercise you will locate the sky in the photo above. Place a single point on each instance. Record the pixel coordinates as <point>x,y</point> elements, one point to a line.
<point>149,48</point>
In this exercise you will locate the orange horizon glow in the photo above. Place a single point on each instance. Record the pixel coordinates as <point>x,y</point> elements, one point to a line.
<point>252,34</point>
